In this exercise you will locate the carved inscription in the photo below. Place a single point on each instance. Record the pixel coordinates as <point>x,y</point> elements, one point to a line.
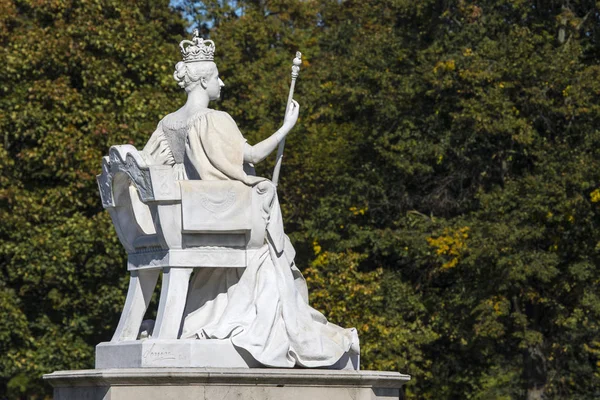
<point>157,355</point>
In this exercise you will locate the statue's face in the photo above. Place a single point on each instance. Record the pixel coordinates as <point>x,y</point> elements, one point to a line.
<point>213,86</point>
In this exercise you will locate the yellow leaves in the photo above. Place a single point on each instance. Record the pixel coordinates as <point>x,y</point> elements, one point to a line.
<point>451,244</point>
<point>500,305</point>
<point>339,289</point>
<point>444,66</point>
<point>595,196</point>
<point>316,247</point>
<point>593,348</point>
<point>358,211</point>
<point>497,309</point>
<point>468,52</point>
<point>534,297</point>
<point>489,313</point>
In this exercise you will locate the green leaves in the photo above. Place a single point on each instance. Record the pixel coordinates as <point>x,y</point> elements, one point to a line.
<point>77,79</point>
<point>420,124</point>
<point>445,164</point>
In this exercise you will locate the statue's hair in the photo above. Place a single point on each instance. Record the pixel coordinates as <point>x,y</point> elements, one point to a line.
<point>188,75</point>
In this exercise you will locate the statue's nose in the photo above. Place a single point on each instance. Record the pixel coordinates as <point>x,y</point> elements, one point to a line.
<point>221,84</point>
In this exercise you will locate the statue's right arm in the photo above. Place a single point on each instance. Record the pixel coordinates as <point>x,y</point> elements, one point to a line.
<point>260,151</point>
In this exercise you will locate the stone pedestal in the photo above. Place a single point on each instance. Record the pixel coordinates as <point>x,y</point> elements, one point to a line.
<point>192,353</point>
<point>225,384</point>
<point>172,353</point>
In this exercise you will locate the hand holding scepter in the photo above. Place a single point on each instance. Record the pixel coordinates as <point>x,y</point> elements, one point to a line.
<point>295,71</point>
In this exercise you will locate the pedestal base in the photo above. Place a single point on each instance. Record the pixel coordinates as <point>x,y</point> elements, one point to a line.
<point>172,353</point>
<point>225,384</point>
<point>191,353</point>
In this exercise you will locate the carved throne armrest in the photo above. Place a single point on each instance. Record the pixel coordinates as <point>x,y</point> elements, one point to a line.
<point>162,221</point>
<point>126,191</point>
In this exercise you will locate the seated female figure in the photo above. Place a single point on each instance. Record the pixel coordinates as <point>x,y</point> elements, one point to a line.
<point>263,308</point>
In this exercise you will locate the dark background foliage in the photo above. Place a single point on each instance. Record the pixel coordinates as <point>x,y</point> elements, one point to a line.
<point>442,186</point>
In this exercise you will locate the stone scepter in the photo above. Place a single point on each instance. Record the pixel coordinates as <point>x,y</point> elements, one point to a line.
<point>295,71</point>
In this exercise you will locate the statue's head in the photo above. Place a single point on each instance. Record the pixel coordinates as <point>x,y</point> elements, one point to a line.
<point>198,70</point>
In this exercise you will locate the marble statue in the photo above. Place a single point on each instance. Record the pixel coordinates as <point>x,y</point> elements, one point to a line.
<point>190,206</point>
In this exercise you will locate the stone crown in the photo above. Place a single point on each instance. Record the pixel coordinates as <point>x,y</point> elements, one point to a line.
<point>197,49</point>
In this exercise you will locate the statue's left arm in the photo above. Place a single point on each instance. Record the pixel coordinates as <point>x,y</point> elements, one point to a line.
<point>258,152</point>
<point>157,151</point>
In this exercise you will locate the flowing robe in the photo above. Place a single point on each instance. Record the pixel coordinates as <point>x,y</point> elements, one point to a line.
<point>263,308</point>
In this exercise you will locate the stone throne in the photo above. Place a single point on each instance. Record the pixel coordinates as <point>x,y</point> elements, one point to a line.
<point>173,226</point>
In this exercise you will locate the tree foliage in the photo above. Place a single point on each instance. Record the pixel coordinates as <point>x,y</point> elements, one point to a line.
<point>76,78</point>
<point>442,187</point>
<point>445,165</point>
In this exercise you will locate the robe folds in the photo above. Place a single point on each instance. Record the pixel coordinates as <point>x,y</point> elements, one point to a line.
<point>264,307</point>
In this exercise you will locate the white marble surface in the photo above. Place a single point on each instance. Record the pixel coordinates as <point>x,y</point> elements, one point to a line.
<point>216,207</point>
<point>152,353</point>
<point>225,384</point>
<point>186,353</point>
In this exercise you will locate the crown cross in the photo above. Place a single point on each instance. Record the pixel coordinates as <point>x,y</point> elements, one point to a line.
<point>197,49</point>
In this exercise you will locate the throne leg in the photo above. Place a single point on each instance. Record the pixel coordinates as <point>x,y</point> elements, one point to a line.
<point>141,287</point>
<point>173,295</point>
